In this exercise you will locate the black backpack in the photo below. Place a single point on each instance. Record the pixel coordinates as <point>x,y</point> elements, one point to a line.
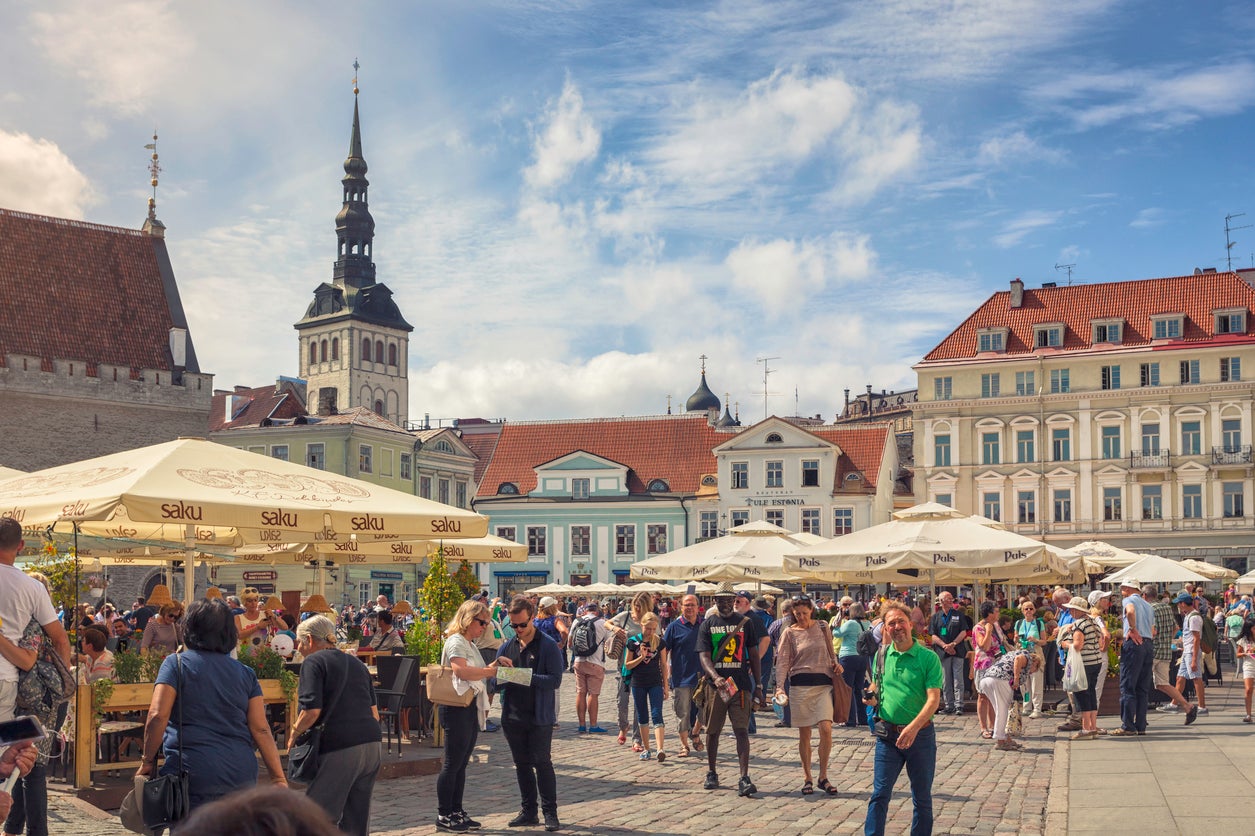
<point>584,637</point>
<point>867,644</point>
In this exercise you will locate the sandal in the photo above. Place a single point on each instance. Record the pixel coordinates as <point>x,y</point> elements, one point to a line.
<point>987,734</point>
<point>807,789</point>
<point>636,747</point>
<point>622,738</point>
<point>683,753</point>
<point>828,788</point>
<point>697,744</point>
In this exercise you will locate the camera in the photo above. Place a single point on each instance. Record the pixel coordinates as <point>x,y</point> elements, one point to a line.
<point>869,695</point>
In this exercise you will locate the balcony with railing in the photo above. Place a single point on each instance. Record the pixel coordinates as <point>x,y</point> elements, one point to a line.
<point>1150,458</point>
<point>1239,454</point>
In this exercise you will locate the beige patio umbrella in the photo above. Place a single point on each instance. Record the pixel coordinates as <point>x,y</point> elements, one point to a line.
<point>1152,568</point>
<point>748,552</point>
<point>193,482</point>
<point>1246,583</point>
<point>1209,570</point>
<point>549,589</point>
<point>1101,557</point>
<point>9,472</point>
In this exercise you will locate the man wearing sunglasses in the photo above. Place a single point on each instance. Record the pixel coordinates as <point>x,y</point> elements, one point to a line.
<point>528,716</point>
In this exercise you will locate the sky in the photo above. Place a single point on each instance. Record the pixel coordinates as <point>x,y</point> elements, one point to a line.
<point>575,200</point>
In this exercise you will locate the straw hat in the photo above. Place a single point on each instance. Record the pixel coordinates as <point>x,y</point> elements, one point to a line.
<point>272,603</point>
<point>212,592</point>
<point>402,608</point>
<point>316,603</point>
<point>159,597</point>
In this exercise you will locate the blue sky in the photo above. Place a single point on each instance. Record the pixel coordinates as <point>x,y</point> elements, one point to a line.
<point>574,200</point>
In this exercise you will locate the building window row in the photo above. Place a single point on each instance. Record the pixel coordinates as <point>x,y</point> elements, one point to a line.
<point>1229,370</point>
<point>773,474</point>
<point>1232,503</point>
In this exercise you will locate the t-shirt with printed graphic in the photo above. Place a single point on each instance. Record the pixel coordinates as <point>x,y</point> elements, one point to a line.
<point>734,662</point>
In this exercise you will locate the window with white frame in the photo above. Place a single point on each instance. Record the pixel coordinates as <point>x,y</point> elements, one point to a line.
<point>579,488</point>
<point>1111,443</point>
<point>407,466</point>
<point>1167,328</point>
<point>709,524</point>
<point>1024,444</point>
<point>656,539</point>
<point>1063,505</point>
<point>775,516</point>
<point>990,385</point>
<point>810,521</point>
<point>581,540</point>
<point>1191,438</point>
<point>316,456</point>
<point>460,494</point>
<point>1048,336</point>
<point>1189,371</point>
<point>810,473</point>
<point>989,448</point>
<point>941,450</point>
<point>991,505</point>
<point>944,499</point>
<point>1026,506</point>
<point>1231,434</point>
<point>443,486</point>
<point>740,474</point>
<point>537,536</point>
<point>1232,496</point>
<point>1150,439</point>
<point>1024,384</point>
<point>1150,374</point>
<point>1152,502</point>
<point>279,451</point>
<point>1060,381</point>
<point>424,487</point>
<point>842,521</point>
<point>1230,369</point>
<point>775,474</point>
<point>1232,321</point>
<point>625,539</point>
<point>1192,502</point>
<point>943,388</point>
<point>364,453</point>
<point>1109,377</point>
<point>1107,331</point>
<point>991,340</point>
<point>1112,504</point>
<point>740,518</point>
<point>1061,444</point>
<point>507,532</point>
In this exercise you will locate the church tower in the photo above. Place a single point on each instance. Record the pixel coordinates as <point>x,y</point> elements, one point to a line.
<point>354,343</point>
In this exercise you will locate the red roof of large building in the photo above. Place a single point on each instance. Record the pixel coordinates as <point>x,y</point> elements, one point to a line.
<point>81,291</point>
<point>674,448</point>
<point>862,450</point>
<point>482,444</point>
<point>1077,306</point>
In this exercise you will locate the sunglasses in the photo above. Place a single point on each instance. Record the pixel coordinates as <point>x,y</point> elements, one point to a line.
<point>481,622</point>
<point>523,626</point>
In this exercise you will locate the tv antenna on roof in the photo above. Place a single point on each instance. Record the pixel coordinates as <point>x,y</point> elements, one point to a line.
<point>1067,267</point>
<point>766,371</point>
<point>1228,243</point>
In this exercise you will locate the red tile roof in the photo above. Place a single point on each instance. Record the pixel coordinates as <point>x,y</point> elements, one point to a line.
<point>675,448</point>
<point>1076,306</point>
<point>862,450</point>
<point>252,406</point>
<point>80,291</point>
<point>482,444</point>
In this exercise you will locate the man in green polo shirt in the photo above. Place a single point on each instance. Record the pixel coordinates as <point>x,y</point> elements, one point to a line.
<point>907,679</point>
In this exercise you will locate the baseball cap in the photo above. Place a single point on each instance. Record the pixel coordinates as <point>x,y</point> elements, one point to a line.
<point>1096,596</point>
<point>548,601</point>
<point>748,596</point>
<point>1131,583</point>
<point>1183,598</point>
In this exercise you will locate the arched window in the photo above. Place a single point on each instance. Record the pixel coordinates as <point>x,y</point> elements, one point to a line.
<point>313,352</point>
<point>658,486</point>
<point>365,349</point>
<point>392,355</point>
<point>378,351</point>
<point>507,489</point>
<point>335,348</point>
<point>323,351</point>
<point>775,438</point>
<point>379,407</point>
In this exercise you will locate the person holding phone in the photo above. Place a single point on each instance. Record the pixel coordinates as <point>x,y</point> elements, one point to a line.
<point>20,757</point>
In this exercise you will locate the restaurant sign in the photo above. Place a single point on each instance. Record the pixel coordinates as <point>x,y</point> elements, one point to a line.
<point>261,576</point>
<point>377,575</point>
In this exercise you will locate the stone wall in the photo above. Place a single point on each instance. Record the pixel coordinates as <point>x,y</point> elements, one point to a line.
<point>53,417</point>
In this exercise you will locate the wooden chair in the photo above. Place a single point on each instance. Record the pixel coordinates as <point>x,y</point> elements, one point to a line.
<point>391,700</point>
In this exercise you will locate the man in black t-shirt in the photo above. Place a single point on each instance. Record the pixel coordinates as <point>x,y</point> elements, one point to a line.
<point>950,628</point>
<point>729,647</point>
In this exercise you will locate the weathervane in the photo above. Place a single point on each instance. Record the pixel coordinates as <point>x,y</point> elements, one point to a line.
<point>154,168</point>
<point>356,66</point>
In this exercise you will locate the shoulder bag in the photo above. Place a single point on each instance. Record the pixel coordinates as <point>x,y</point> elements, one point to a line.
<point>841,693</point>
<point>49,682</point>
<point>166,799</point>
<point>440,688</point>
<point>303,754</point>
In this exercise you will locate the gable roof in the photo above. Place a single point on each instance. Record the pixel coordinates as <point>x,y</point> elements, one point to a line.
<point>675,448</point>
<point>252,406</point>
<point>81,291</point>
<point>482,444</point>
<point>1076,306</point>
<point>862,450</point>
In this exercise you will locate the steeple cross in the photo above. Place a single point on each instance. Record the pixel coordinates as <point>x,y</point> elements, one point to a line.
<point>356,66</point>
<point>703,358</point>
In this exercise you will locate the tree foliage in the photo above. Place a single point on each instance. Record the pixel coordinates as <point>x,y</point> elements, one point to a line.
<point>60,571</point>
<point>441,595</point>
<point>465,578</point>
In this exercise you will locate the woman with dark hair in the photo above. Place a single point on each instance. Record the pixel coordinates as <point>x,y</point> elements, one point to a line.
<point>261,811</point>
<point>988,640</point>
<point>207,712</point>
<point>164,632</point>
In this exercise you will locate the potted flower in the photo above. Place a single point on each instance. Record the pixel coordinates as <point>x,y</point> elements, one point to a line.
<point>96,585</point>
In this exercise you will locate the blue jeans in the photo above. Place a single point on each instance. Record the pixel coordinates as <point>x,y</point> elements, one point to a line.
<point>955,670</point>
<point>648,705</point>
<point>855,675</point>
<point>1137,665</point>
<point>921,764</point>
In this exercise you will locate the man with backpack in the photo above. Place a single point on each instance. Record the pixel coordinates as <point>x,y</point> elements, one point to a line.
<point>1192,648</point>
<point>588,637</point>
<point>949,628</point>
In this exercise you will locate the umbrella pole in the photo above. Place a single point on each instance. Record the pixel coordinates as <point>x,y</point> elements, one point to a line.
<point>322,578</point>
<point>189,564</point>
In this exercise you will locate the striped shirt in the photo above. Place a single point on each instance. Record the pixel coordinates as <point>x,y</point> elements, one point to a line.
<point>1091,653</point>
<point>1165,629</point>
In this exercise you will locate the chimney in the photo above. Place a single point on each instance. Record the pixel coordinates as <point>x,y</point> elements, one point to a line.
<point>1017,292</point>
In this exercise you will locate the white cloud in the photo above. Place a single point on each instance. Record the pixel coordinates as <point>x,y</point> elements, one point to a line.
<point>1147,218</point>
<point>778,273</point>
<point>1016,230</point>
<point>567,139</point>
<point>885,144</point>
<point>36,176</point>
<point>1014,148</point>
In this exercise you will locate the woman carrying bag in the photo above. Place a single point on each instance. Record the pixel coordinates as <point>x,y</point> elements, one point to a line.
<point>336,695</point>
<point>988,640</point>
<point>461,723</point>
<point>807,663</point>
<point>1084,639</point>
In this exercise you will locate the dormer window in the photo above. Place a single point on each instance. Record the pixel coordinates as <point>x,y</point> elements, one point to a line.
<point>1230,321</point>
<point>775,438</point>
<point>443,446</point>
<point>1107,330</point>
<point>1167,326</point>
<point>579,488</point>
<point>658,486</point>
<point>507,489</point>
<point>1048,335</point>
<point>991,339</point>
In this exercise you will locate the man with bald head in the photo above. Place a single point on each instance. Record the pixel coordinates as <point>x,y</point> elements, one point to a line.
<point>949,628</point>
<point>680,639</point>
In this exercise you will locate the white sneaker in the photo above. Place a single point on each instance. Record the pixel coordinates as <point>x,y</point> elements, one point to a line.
<point>1202,712</point>
<point>1036,715</point>
<point>1170,708</point>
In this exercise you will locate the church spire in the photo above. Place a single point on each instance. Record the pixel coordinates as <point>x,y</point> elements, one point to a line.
<point>355,228</point>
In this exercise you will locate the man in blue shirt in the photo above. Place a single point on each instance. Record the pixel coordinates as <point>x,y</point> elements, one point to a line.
<point>1137,660</point>
<point>680,639</point>
<point>1059,598</point>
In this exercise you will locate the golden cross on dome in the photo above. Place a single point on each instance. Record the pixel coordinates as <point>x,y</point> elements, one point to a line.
<point>703,358</point>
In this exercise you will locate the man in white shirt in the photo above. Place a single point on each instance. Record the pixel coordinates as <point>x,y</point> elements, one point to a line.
<point>21,599</point>
<point>1191,647</point>
<point>590,669</point>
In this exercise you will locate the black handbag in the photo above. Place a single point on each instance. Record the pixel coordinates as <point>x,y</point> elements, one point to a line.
<point>166,799</point>
<point>303,753</point>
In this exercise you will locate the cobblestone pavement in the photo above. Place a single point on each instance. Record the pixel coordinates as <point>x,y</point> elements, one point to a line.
<point>603,787</point>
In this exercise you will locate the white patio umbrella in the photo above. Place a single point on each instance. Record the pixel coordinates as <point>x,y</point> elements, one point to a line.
<point>1209,570</point>
<point>1098,556</point>
<point>181,486</point>
<point>549,589</point>
<point>9,472</point>
<point>1152,568</point>
<point>1246,583</point>
<point>760,588</point>
<point>749,552</point>
<point>923,545</point>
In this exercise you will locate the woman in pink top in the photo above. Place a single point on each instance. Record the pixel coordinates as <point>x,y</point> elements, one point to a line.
<point>806,662</point>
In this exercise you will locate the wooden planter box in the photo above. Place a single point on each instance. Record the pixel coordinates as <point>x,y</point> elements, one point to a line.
<point>137,697</point>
